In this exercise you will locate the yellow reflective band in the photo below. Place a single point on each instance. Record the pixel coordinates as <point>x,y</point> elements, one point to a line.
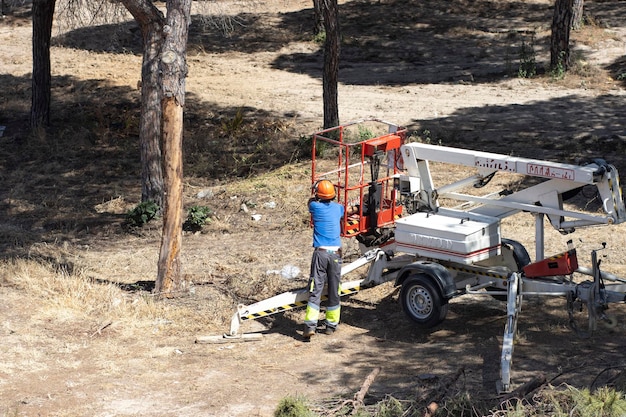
<point>312,314</point>
<point>332,316</point>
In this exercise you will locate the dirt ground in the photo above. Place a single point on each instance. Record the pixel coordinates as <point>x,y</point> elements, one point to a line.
<point>445,70</point>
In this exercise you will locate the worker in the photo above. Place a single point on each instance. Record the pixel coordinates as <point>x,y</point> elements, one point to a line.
<point>326,216</point>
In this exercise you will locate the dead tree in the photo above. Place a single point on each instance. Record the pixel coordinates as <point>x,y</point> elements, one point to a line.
<point>173,67</point>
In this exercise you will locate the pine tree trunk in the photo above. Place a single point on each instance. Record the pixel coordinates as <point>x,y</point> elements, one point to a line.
<point>318,17</point>
<point>150,134</point>
<point>561,26</point>
<point>43,13</point>
<point>170,279</point>
<point>330,77</point>
<point>151,21</point>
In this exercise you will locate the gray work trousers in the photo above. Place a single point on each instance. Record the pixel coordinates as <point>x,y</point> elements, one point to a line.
<point>325,270</point>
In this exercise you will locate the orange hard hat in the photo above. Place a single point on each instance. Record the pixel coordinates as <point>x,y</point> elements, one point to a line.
<point>325,190</point>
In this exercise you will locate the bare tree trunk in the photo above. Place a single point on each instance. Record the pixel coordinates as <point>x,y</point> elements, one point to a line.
<point>151,22</point>
<point>43,13</point>
<point>318,16</point>
<point>331,63</point>
<point>577,14</point>
<point>170,279</point>
<point>561,26</point>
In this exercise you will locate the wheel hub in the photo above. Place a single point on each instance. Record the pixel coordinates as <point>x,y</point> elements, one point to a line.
<point>421,302</point>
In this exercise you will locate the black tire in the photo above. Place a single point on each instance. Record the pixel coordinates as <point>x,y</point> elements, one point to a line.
<point>422,301</point>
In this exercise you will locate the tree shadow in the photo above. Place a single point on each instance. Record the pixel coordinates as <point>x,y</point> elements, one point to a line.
<point>415,42</point>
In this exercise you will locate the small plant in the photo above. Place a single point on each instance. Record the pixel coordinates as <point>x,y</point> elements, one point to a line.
<point>233,124</point>
<point>292,407</point>
<point>320,37</point>
<point>365,133</point>
<point>603,402</point>
<point>141,214</point>
<point>527,65</point>
<point>197,217</point>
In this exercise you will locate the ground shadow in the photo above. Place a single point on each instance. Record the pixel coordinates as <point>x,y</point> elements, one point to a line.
<point>383,43</point>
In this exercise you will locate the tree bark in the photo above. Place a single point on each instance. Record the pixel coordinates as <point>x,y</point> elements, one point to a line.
<point>151,22</point>
<point>169,279</point>
<point>561,26</point>
<point>173,66</point>
<point>150,134</point>
<point>318,17</point>
<point>330,76</point>
<point>43,13</point>
<point>577,14</point>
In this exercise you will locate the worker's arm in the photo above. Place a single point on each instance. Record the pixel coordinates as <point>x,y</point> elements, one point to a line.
<point>351,210</point>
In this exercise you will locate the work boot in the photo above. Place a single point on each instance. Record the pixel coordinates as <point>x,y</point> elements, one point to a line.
<point>330,330</point>
<point>308,332</point>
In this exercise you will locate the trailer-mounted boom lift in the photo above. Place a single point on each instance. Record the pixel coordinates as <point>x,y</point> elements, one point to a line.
<point>442,242</point>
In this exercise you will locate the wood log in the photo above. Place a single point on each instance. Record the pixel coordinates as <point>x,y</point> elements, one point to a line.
<point>360,396</point>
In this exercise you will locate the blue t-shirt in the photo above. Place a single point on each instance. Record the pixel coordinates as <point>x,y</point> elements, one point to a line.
<point>326,223</point>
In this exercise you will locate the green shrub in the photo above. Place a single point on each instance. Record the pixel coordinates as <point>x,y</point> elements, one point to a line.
<point>197,216</point>
<point>390,407</point>
<point>320,38</point>
<point>141,214</point>
<point>293,407</point>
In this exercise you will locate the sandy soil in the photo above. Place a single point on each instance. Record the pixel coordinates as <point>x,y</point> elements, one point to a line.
<point>443,67</point>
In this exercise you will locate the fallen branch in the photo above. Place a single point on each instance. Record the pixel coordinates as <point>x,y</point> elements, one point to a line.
<point>522,391</point>
<point>359,397</point>
<point>101,328</point>
<point>439,393</point>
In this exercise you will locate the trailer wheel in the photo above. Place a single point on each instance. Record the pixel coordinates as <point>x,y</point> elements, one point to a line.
<point>422,302</point>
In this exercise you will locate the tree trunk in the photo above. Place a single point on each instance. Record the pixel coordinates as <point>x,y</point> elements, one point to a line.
<point>577,14</point>
<point>173,68</point>
<point>151,22</point>
<point>43,13</point>
<point>318,17</point>
<point>561,25</point>
<point>331,63</point>
<point>169,279</point>
<point>150,134</point>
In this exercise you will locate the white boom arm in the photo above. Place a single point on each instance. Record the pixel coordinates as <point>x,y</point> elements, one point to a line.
<point>545,198</point>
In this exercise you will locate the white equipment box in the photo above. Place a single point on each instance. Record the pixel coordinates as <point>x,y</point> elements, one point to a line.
<point>449,235</point>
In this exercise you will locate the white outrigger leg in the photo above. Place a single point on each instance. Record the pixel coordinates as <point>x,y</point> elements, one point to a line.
<point>513,308</point>
<point>298,298</point>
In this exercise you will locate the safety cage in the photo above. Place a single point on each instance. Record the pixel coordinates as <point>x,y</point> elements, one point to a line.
<point>342,154</point>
